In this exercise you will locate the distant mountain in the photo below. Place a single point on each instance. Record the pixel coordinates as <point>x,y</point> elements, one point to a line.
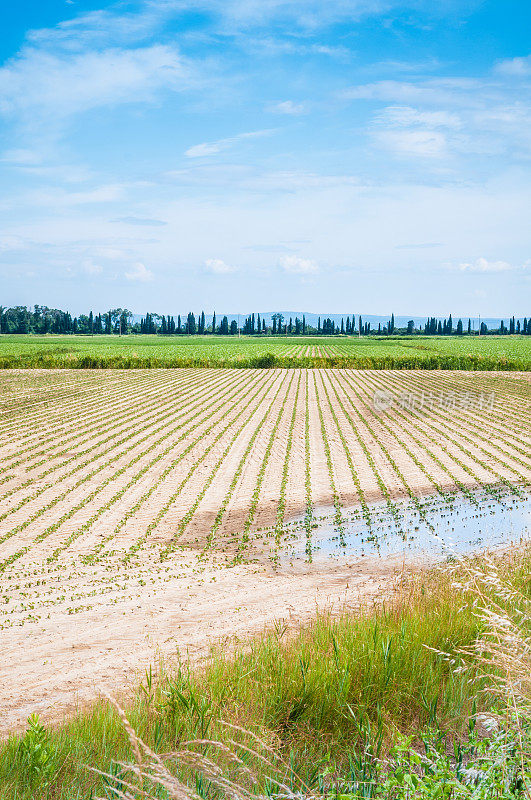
<point>312,319</point>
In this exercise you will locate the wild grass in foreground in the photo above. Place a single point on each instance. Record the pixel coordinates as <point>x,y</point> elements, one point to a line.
<point>384,703</point>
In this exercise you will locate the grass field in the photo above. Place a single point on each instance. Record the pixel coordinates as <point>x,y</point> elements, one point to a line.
<point>443,352</point>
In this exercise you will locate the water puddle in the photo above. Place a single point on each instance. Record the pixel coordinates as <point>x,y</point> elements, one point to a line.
<point>438,527</point>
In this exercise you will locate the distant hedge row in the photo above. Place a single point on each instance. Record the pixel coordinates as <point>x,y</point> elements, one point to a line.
<point>266,361</point>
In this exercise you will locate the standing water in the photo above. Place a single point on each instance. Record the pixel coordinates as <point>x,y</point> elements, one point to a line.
<point>435,527</point>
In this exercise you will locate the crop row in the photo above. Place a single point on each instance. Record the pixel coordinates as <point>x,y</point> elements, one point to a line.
<point>139,425</point>
<point>177,448</point>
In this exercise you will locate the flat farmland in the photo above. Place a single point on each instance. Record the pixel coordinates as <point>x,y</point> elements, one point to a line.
<point>136,351</point>
<point>137,502</point>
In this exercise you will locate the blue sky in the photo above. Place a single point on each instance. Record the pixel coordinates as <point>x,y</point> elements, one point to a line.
<point>349,156</point>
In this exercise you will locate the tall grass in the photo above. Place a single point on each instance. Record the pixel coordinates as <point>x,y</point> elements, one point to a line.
<point>327,702</point>
<point>70,360</point>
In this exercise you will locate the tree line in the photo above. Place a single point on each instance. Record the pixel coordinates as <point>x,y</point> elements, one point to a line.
<point>42,319</point>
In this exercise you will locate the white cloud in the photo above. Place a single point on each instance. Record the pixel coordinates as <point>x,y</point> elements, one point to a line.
<point>482,265</point>
<point>21,157</point>
<point>91,268</point>
<point>64,199</point>
<point>406,116</point>
<point>518,67</point>
<point>213,148</point>
<point>206,149</point>
<point>298,15</point>
<point>275,46</point>
<point>235,16</point>
<point>449,117</point>
<point>298,265</point>
<point>287,107</point>
<point>8,243</point>
<point>102,27</point>
<point>142,221</point>
<point>110,253</point>
<point>423,143</point>
<point>38,84</point>
<point>223,177</point>
<point>219,267</point>
<point>140,273</point>
<point>436,91</point>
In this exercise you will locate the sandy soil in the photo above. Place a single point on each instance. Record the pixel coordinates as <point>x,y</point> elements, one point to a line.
<point>56,666</point>
<point>126,495</point>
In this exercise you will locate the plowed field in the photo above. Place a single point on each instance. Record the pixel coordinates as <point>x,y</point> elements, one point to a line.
<point>124,492</point>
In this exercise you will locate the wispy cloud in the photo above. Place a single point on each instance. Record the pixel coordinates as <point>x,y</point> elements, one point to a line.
<point>287,107</point>
<point>272,46</point>
<point>415,143</point>
<point>143,221</point>
<point>61,198</point>
<point>38,84</point>
<point>139,272</point>
<point>106,26</point>
<point>407,116</point>
<point>448,117</point>
<point>91,268</point>
<point>297,15</point>
<point>433,91</point>
<point>419,246</point>
<point>206,149</point>
<point>219,267</point>
<point>519,67</point>
<point>22,157</point>
<point>10,243</point>
<point>483,265</point>
<point>299,266</point>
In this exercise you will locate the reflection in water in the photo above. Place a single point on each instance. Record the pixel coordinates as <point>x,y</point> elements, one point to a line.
<point>433,527</point>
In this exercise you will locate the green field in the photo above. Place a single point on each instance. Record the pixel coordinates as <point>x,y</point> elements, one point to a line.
<point>390,352</point>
